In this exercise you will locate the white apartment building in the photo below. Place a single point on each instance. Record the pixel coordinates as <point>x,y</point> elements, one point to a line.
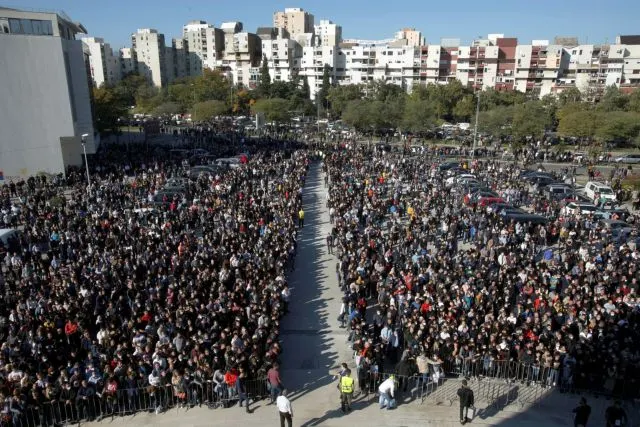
<point>295,20</point>
<point>104,65</point>
<point>328,33</point>
<point>150,49</point>
<point>46,105</point>
<point>312,65</point>
<point>242,54</point>
<point>282,53</point>
<point>538,67</point>
<point>128,61</point>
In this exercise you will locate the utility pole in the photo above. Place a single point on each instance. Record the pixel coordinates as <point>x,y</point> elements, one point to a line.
<point>478,91</point>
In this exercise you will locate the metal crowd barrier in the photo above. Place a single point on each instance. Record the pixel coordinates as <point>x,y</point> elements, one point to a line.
<point>125,402</point>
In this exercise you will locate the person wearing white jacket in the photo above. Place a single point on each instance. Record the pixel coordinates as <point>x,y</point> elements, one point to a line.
<point>387,392</point>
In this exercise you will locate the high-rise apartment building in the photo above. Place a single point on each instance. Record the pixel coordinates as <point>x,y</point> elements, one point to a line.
<point>328,33</point>
<point>412,36</point>
<point>282,53</point>
<point>104,65</point>
<point>295,20</point>
<point>242,54</point>
<point>46,105</point>
<point>150,51</point>
<point>128,61</point>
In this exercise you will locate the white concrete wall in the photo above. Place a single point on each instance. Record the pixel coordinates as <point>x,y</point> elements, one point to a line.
<point>36,104</point>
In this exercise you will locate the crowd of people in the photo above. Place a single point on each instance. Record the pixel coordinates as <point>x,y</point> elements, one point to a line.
<point>458,288</point>
<point>106,293</point>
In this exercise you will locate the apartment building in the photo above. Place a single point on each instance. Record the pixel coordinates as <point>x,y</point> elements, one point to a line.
<point>295,20</point>
<point>412,36</point>
<point>150,49</point>
<point>282,53</point>
<point>242,54</point>
<point>328,33</point>
<point>539,67</point>
<point>46,105</point>
<point>128,61</point>
<point>104,65</point>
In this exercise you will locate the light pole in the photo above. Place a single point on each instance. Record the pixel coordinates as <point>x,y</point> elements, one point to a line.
<point>478,91</point>
<point>86,163</point>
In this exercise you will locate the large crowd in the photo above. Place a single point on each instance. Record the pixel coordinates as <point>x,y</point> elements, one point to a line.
<point>105,291</point>
<point>458,288</point>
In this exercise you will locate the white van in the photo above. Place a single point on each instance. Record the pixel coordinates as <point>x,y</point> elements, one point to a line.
<point>593,188</point>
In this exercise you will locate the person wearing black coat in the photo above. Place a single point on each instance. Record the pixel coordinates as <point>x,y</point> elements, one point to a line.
<point>466,401</point>
<point>582,412</point>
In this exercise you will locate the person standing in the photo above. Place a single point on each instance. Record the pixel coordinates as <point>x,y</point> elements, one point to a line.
<point>330,243</point>
<point>346,391</point>
<point>582,412</point>
<point>301,218</point>
<point>615,415</point>
<point>466,401</point>
<point>285,409</point>
<point>275,384</point>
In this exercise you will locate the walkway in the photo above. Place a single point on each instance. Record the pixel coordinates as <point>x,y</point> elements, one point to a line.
<point>314,347</point>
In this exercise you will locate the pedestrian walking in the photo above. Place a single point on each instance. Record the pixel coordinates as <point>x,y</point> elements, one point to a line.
<point>284,408</point>
<point>466,402</point>
<point>582,412</point>
<point>346,391</point>
<point>274,383</point>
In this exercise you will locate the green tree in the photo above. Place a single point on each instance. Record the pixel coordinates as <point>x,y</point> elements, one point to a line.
<point>356,114</point>
<point>580,123</point>
<point>529,119</point>
<point>618,126</point>
<point>264,85</point>
<point>497,121</point>
<point>570,95</point>
<point>323,93</point>
<point>613,100</point>
<point>206,110</point>
<point>274,109</point>
<point>419,115</point>
<point>167,109</point>
<point>108,107</point>
<point>340,96</point>
<point>633,103</point>
<point>465,108</point>
<point>127,88</point>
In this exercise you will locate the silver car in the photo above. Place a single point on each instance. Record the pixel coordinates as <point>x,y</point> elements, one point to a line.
<point>629,158</point>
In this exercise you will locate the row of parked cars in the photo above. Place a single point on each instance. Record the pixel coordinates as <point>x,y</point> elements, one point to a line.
<point>595,198</point>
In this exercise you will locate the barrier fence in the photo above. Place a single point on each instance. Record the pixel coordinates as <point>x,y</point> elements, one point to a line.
<point>124,402</point>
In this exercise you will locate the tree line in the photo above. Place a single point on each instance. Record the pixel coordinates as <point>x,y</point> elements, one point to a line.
<point>378,105</point>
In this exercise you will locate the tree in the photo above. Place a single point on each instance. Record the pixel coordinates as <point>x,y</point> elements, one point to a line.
<point>419,115</point>
<point>633,103</point>
<point>569,96</point>
<point>206,110</point>
<point>127,88</point>
<point>167,109</point>
<point>529,119</point>
<point>274,109</point>
<point>465,108</point>
<point>356,114</point>
<point>497,121</point>
<point>618,126</point>
<point>340,96</point>
<point>579,123</point>
<point>108,107</point>
<point>264,86</point>
<point>321,96</point>
<point>613,100</point>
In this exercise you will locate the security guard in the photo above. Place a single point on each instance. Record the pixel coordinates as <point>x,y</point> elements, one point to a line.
<point>346,391</point>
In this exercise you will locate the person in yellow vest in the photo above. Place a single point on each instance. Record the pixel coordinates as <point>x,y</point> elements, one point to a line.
<point>346,391</point>
<point>301,218</point>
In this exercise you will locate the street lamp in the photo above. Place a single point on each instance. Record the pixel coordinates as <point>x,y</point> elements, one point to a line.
<point>86,163</point>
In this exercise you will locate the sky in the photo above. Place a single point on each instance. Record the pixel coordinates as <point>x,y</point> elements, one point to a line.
<point>592,21</point>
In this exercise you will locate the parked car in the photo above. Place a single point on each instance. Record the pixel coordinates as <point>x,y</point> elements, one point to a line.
<point>594,188</point>
<point>629,158</point>
<point>577,208</point>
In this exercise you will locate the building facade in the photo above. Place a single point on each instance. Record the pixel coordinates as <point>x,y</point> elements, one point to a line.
<point>150,49</point>
<point>295,20</point>
<point>328,33</point>
<point>46,105</point>
<point>104,65</point>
